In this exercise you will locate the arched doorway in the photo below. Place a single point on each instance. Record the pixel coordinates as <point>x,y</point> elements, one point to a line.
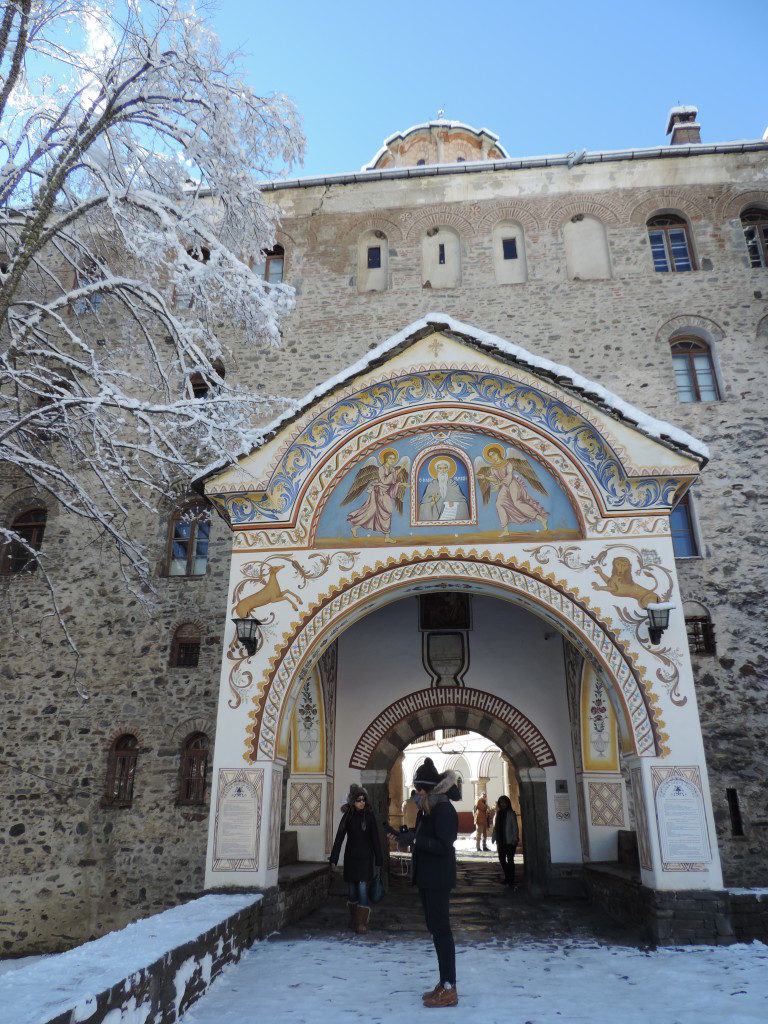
<point>380,488</point>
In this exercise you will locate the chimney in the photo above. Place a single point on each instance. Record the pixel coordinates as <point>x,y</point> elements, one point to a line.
<point>682,126</point>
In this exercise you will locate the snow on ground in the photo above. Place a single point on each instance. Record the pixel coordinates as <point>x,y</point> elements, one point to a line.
<point>39,991</point>
<point>6,966</point>
<point>319,981</point>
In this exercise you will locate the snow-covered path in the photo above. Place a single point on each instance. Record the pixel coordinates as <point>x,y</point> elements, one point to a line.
<point>319,981</point>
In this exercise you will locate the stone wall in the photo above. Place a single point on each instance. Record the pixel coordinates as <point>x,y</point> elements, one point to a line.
<point>72,867</point>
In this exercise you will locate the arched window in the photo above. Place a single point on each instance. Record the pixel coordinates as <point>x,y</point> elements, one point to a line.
<point>274,262</point>
<point>755,224</point>
<point>30,526</point>
<point>440,258</point>
<point>509,261</point>
<point>194,769</point>
<point>122,770</point>
<point>684,541</point>
<point>200,385</point>
<point>421,163</point>
<point>694,371</point>
<point>670,244</point>
<point>185,647</point>
<point>372,262</point>
<point>188,539</point>
<point>698,626</point>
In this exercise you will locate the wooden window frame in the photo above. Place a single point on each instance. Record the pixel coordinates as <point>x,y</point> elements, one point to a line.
<point>695,346</point>
<point>701,634</point>
<point>202,515</point>
<point>192,782</point>
<point>756,219</point>
<point>185,636</point>
<point>674,222</point>
<point>13,552</point>
<point>276,255</point>
<point>122,766</point>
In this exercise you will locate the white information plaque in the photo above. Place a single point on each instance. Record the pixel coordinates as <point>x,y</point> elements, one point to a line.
<point>682,823</point>
<point>238,819</point>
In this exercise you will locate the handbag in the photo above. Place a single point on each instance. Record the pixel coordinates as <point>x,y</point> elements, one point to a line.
<point>376,890</point>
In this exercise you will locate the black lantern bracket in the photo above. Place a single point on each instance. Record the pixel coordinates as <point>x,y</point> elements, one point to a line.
<point>249,634</point>
<point>658,619</point>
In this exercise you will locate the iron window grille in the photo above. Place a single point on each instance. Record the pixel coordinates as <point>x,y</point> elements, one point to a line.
<point>194,770</point>
<point>122,771</point>
<point>701,635</point>
<point>29,525</point>
<point>755,225</point>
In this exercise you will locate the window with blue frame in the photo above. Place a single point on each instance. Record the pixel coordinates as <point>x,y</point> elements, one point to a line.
<point>683,532</point>
<point>670,244</point>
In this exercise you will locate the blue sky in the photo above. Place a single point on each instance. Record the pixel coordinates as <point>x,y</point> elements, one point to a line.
<point>546,77</point>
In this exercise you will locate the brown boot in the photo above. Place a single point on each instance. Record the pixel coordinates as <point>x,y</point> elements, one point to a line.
<point>444,997</point>
<point>352,908</point>
<point>433,991</point>
<point>362,918</point>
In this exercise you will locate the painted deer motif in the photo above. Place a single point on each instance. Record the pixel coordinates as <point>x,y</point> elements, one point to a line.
<point>270,593</point>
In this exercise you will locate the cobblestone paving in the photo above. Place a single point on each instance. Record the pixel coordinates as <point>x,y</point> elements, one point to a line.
<point>482,909</point>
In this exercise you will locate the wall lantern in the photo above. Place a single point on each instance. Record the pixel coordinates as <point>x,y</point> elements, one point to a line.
<point>248,634</point>
<point>658,619</point>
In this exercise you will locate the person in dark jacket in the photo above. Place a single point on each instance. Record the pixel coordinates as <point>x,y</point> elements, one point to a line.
<point>506,835</point>
<point>362,855</point>
<point>434,869</point>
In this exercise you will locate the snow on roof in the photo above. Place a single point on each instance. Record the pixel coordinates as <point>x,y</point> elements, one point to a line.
<point>441,123</point>
<point>592,391</point>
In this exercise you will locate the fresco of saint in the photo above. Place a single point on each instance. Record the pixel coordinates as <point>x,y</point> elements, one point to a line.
<point>511,477</point>
<point>386,481</point>
<point>443,500</point>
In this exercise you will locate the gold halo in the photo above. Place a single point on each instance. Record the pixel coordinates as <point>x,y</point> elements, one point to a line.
<point>440,458</point>
<point>492,448</point>
<point>388,451</point>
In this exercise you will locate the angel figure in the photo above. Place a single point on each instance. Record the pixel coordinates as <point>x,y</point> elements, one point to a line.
<point>511,477</point>
<point>386,481</point>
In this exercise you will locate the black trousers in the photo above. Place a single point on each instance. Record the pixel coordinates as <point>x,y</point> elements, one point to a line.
<point>507,861</point>
<point>435,903</point>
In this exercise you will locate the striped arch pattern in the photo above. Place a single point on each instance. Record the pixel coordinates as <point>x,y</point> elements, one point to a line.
<point>440,697</point>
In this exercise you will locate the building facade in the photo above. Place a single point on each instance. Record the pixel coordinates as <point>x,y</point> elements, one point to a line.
<point>625,293</point>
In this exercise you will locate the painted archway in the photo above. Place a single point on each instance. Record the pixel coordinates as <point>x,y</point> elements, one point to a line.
<point>452,460</point>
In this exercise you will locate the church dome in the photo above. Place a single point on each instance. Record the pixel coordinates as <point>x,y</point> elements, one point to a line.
<point>437,142</point>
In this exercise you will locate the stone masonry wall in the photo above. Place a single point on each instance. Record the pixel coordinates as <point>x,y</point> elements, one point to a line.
<point>73,868</point>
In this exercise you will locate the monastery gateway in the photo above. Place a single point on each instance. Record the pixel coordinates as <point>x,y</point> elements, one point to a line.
<point>456,533</point>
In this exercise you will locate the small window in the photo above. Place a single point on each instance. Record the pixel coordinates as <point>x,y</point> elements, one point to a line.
<point>274,261</point>
<point>694,371</point>
<point>122,770</point>
<point>185,647</point>
<point>755,224</point>
<point>509,246</point>
<point>421,163</point>
<point>188,541</point>
<point>670,244</point>
<point>441,253</point>
<point>30,526</point>
<point>194,770</point>
<point>374,257</point>
<point>701,634</point>
<point>683,533</point>
<point>201,386</point>
<point>89,274</point>
<point>461,159</point>
<point>737,824</point>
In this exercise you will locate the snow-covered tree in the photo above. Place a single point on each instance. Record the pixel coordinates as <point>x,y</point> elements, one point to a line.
<point>131,225</point>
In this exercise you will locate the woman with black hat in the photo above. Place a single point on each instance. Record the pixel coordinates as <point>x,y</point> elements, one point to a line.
<point>434,869</point>
<point>363,850</point>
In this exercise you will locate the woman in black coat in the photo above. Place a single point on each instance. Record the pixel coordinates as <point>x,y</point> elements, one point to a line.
<point>434,869</point>
<point>362,854</point>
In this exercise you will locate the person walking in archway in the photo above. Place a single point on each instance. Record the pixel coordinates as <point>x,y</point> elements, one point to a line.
<point>506,836</point>
<point>362,855</point>
<point>481,821</point>
<point>434,869</point>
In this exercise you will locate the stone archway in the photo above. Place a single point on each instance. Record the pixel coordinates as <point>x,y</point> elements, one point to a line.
<point>402,722</point>
<point>500,575</point>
